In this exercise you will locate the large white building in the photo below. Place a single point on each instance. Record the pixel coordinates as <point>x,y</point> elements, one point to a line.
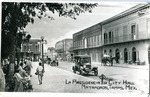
<point>125,36</point>
<point>63,48</point>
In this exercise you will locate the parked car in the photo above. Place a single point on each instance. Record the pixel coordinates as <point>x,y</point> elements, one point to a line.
<point>83,65</point>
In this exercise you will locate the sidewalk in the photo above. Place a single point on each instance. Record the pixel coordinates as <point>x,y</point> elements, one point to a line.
<point>125,65</point>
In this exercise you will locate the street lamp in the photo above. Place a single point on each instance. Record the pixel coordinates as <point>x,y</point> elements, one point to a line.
<point>43,42</point>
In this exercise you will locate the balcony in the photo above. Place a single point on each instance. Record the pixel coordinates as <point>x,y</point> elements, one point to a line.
<point>126,38</point>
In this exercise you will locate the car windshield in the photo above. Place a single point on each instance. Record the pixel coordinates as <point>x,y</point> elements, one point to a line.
<point>85,60</point>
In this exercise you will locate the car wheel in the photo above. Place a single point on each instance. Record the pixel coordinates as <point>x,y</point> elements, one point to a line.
<point>73,68</point>
<point>95,72</point>
<point>81,73</point>
<point>74,71</point>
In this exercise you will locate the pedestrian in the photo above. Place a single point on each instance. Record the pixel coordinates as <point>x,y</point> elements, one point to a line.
<point>111,60</point>
<point>49,61</point>
<point>28,66</point>
<point>21,80</point>
<point>18,83</point>
<point>39,72</point>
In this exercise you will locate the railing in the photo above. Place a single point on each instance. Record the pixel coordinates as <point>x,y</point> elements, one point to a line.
<point>125,38</point>
<point>117,39</point>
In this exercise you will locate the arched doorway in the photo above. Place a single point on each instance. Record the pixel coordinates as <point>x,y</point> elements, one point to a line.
<point>133,54</point>
<point>125,55</point>
<point>105,52</point>
<point>117,55</point>
<point>110,52</point>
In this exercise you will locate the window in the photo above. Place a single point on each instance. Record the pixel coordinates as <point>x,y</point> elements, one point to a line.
<point>117,35</point>
<point>105,38</point>
<point>85,42</point>
<point>110,37</point>
<point>133,32</point>
<point>88,42</point>
<point>94,38</point>
<point>125,37</point>
<point>97,40</point>
<point>91,41</point>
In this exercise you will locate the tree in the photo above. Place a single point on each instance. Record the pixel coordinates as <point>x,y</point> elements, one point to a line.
<point>17,15</point>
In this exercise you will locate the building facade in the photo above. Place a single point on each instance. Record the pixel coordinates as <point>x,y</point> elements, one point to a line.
<point>63,49</point>
<point>51,53</point>
<point>88,42</point>
<point>31,49</point>
<point>125,36</point>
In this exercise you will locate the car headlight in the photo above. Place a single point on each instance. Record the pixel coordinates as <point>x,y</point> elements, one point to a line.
<point>84,66</point>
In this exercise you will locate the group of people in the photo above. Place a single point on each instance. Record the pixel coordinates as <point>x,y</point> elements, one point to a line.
<point>53,62</point>
<point>107,60</point>
<point>22,75</point>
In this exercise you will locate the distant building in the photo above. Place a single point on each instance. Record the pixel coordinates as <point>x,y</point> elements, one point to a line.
<point>51,53</point>
<point>63,49</point>
<point>125,36</point>
<point>32,49</point>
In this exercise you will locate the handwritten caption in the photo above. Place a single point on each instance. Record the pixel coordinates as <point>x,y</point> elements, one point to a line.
<point>107,85</point>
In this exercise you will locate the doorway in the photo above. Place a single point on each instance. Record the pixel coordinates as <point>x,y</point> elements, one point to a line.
<point>117,55</point>
<point>125,55</point>
<point>134,55</point>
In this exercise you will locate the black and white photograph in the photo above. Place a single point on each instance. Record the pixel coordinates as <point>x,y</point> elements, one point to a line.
<point>75,47</point>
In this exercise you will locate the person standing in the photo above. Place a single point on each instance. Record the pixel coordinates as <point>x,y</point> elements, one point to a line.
<point>40,72</point>
<point>28,67</point>
<point>18,83</point>
<point>111,60</point>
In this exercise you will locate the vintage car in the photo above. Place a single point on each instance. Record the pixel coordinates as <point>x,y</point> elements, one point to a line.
<point>83,65</point>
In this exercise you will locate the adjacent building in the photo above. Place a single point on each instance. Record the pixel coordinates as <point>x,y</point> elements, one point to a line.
<point>125,36</point>
<point>63,49</point>
<point>51,53</point>
<point>31,49</point>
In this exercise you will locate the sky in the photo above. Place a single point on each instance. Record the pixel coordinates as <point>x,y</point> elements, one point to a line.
<point>61,27</point>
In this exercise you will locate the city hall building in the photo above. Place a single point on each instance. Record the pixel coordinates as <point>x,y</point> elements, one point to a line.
<point>125,36</point>
<point>88,42</point>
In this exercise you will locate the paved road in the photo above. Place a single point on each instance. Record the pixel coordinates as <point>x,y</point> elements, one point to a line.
<point>56,79</point>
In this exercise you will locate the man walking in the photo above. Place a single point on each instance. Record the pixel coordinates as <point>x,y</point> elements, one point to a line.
<point>40,72</point>
<point>111,60</point>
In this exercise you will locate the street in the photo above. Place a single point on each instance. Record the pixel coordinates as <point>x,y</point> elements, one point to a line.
<point>61,79</point>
